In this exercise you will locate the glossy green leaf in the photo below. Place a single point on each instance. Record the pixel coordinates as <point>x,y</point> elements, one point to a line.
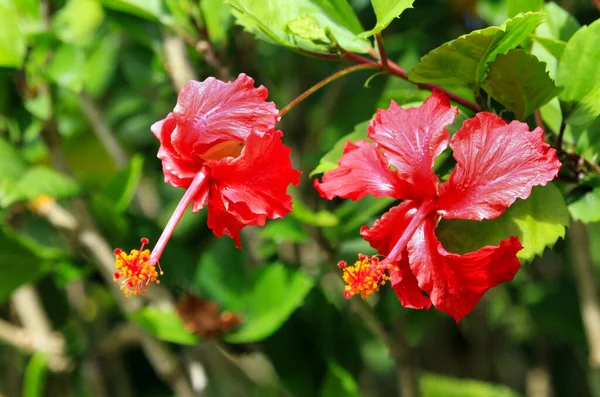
<point>434,385</point>
<point>521,6</point>
<point>35,376</point>
<point>587,208</point>
<point>321,218</point>
<point>22,261</point>
<point>147,9</point>
<point>520,82</point>
<point>464,61</point>
<point>339,382</point>
<point>100,64</point>
<point>67,68</point>
<point>35,182</point>
<point>553,46</point>
<point>284,230</point>
<point>301,24</point>
<point>13,44</point>
<point>164,325</point>
<point>330,160</point>
<point>78,21</point>
<point>538,222</point>
<point>578,74</point>
<point>217,18</point>
<point>558,23</point>
<point>277,292</point>
<point>386,11</point>
<point>121,189</point>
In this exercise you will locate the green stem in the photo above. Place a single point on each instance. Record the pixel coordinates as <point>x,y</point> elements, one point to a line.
<point>323,83</point>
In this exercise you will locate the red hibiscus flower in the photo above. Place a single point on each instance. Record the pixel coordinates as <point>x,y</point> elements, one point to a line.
<point>219,143</point>
<point>496,164</point>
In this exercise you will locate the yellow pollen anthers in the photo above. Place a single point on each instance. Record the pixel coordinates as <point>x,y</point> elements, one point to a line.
<point>135,271</point>
<point>364,277</point>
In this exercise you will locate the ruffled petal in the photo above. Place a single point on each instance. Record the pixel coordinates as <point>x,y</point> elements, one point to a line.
<point>406,286</point>
<point>258,178</point>
<point>387,230</point>
<point>496,164</point>
<point>220,220</point>
<point>179,170</point>
<point>412,139</point>
<point>213,111</point>
<point>455,283</point>
<point>362,170</point>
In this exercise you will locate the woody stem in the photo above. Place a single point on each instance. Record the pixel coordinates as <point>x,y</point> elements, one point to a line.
<point>323,83</point>
<point>199,180</point>
<point>425,209</point>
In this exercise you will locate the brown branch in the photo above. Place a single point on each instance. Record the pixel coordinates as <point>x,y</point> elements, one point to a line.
<point>177,62</point>
<point>596,3</point>
<point>383,59</point>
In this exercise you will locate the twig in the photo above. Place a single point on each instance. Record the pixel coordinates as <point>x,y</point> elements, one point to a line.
<point>177,62</point>
<point>323,83</point>
<point>28,306</point>
<point>596,3</point>
<point>383,59</point>
<point>538,119</point>
<point>396,70</point>
<point>16,336</point>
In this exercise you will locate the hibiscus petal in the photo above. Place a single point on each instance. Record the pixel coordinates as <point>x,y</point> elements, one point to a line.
<point>258,178</point>
<point>220,220</point>
<point>455,283</point>
<point>406,286</point>
<point>387,230</point>
<point>213,111</point>
<point>362,170</point>
<point>412,139</point>
<point>496,164</point>
<point>178,170</point>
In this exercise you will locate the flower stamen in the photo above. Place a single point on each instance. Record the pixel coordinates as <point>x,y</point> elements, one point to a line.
<point>364,277</point>
<point>134,270</point>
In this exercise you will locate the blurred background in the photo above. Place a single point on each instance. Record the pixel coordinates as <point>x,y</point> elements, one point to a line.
<point>81,81</point>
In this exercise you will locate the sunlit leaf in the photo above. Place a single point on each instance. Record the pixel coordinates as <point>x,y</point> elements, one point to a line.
<point>587,208</point>
<point>578,74</point>
<point>12,40</point>
<point>520,82</point>
<point>386,11</point>
<point>434,385</point>
<point>464,61</point>
<point>295,23</point>
<point>165,325</point>
<point>538,222</point>
<point>78,21</point>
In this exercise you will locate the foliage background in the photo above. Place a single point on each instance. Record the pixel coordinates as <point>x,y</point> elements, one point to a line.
<point>82,82</point>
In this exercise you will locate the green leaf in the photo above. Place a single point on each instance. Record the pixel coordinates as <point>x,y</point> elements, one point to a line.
<point>517,6</point>
<point>538,221</point>
<point>22,261</point>
<point>12,39</point>
<point>520,82</point>
<point>276,294</point>
<point>284,230</point>
<point>464,61</point>
<point>34,379</point>
<point>553,46</point>
<point>100,64</point>
<point>339,382</point>
<point>330,160</point>
<point>67,68</point>
<point>577,72</point>
<point>558,23</point>
<point>121,189</point>
<point>386,11</point>
<point>320,218</point>
<point>164,325</point>
<point>147,9</point>
<point>434,385</point>
<point>587,208</point>
<point>38,181</point>
<point>78,21</point>
<point>302,24</point>
<point>217,18</point>
<point>40,105</point>
<point>11,162</point>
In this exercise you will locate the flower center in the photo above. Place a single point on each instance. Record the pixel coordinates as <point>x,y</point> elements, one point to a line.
<point>364,277</point>
<point>135,271</point>
<point>222,150</point>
